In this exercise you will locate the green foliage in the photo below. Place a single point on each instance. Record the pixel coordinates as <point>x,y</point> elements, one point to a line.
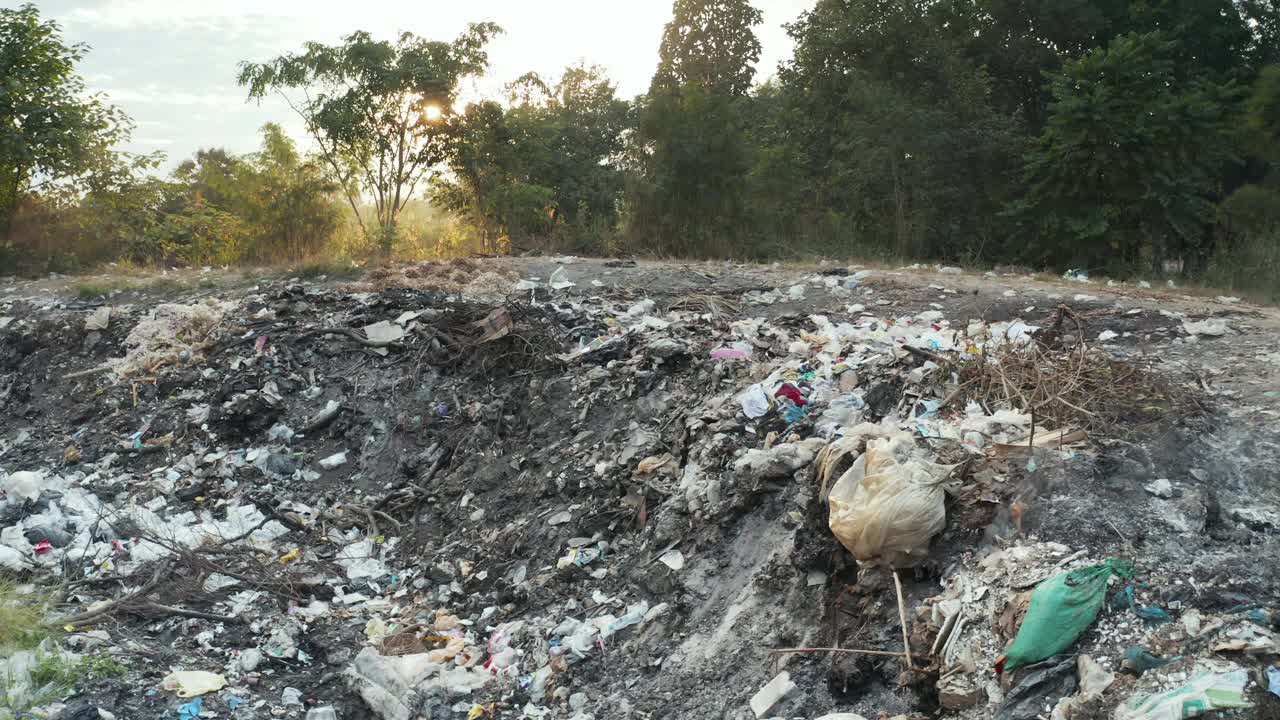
<point>688,197</point>
<point>197,235</point>
<point>518,174</point>
<point>1127,161</point>
<point>1264,105</point>
<point>377,109</point>
<point>1108,134</point>
<point>708,44</point>
<point>95,289</point>
<point>894,130</point>
<point>54,135</point>
<point>22,618</point>
<point>690,150</point>
<point>284,201</point>
<point>65,673</point>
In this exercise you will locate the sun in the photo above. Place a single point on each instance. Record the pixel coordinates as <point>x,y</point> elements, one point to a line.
<point>433,112</point>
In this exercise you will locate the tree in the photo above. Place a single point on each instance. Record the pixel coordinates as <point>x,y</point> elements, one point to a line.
<point>690,145</point>
<point>52,132</point>
<point>569,140</point>
<point>545,165</point>
<point>1264,107</point>
<point>1126,166</point>
<point>709,44</point>
<point>294,214</point>
<point>897,129</point>
<point>376,109</point>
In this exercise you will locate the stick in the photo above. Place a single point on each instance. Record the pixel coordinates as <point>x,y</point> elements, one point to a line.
<point>902,615</point>
<point>83,373</point>
<point>167,610</point>
<point>842,651</point>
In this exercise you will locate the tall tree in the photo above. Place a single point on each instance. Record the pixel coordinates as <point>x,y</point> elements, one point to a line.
<point>52,131</point>
<point>690,145</point>
<point>570,140</point>
<point>1125,170</point>
<point>376,109</point>
<point>709,44</point>
<point>897,129</point>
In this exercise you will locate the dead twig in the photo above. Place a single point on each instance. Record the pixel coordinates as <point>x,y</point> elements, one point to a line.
<point>902,616</point>
<point>842,651</point>
<point>183,612</point>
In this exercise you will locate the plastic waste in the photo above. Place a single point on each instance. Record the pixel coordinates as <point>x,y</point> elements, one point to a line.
<point>326,712</point>
<point>1212,327</point>
<point>1202,693</point>
<point>771,694</point>
<point>740,351</point>
<point>191,710</point>
<point>1273,680</point>
<point>755,401</point>
<point>99,319</point>
<point>1153,615</point>
<point>1042,683</point>
<point>383,331</point>
<point>334,461</point>
<point>1138,660</point>
<point>1094,680</point>
<point>23,484</point>
<point>634,616</point>
<point>778,461</point>
<point>190,683</point>
<point>886,508</point>
<point>560,280</point>
<point>1061,608</point>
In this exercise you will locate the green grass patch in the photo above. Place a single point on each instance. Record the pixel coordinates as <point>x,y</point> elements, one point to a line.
<point>93,289</point>
<point>66,673</point>
<point>335,269</point>
<point>22,618</point>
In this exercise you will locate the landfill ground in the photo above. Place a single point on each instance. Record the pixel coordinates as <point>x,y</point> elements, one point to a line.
<point>591,489</point>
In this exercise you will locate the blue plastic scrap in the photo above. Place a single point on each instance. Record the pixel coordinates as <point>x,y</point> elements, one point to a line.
<point>1153,615</point>
<point>191,710</point>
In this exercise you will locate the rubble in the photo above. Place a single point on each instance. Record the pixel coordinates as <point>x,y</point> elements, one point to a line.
<point>635,491</point>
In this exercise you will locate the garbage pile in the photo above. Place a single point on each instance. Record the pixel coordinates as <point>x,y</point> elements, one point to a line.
<point>495,494</point>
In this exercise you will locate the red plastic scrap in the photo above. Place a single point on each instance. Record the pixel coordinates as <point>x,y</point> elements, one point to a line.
<point>792,393</point>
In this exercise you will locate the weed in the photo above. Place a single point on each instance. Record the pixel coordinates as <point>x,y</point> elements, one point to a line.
<point>331,268</point>
<point>166,286</point>
<point>39,678</point>
<point>63,672</point>
<point>22,624</point>
<point>91,289</point>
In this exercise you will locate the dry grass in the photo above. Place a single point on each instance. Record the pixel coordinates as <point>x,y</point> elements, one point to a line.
<point>457,276</point>
<point>1074,385</point>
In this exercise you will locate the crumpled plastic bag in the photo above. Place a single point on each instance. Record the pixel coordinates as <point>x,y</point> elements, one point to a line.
<point>1202,693</point>
<point>888,506</point>
<point>391,686</point>
<point>1062,607</point>
<point>190,683</point>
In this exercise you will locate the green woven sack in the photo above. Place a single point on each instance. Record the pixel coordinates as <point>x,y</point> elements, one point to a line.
<point>1061,608</point>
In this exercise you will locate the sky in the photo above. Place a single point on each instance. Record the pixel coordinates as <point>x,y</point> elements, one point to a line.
<point>171,64</point>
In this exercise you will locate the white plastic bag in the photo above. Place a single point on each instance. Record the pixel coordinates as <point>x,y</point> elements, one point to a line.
<point>887,506</point>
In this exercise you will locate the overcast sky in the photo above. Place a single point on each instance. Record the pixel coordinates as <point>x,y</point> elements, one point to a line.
<point>171,64</point>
